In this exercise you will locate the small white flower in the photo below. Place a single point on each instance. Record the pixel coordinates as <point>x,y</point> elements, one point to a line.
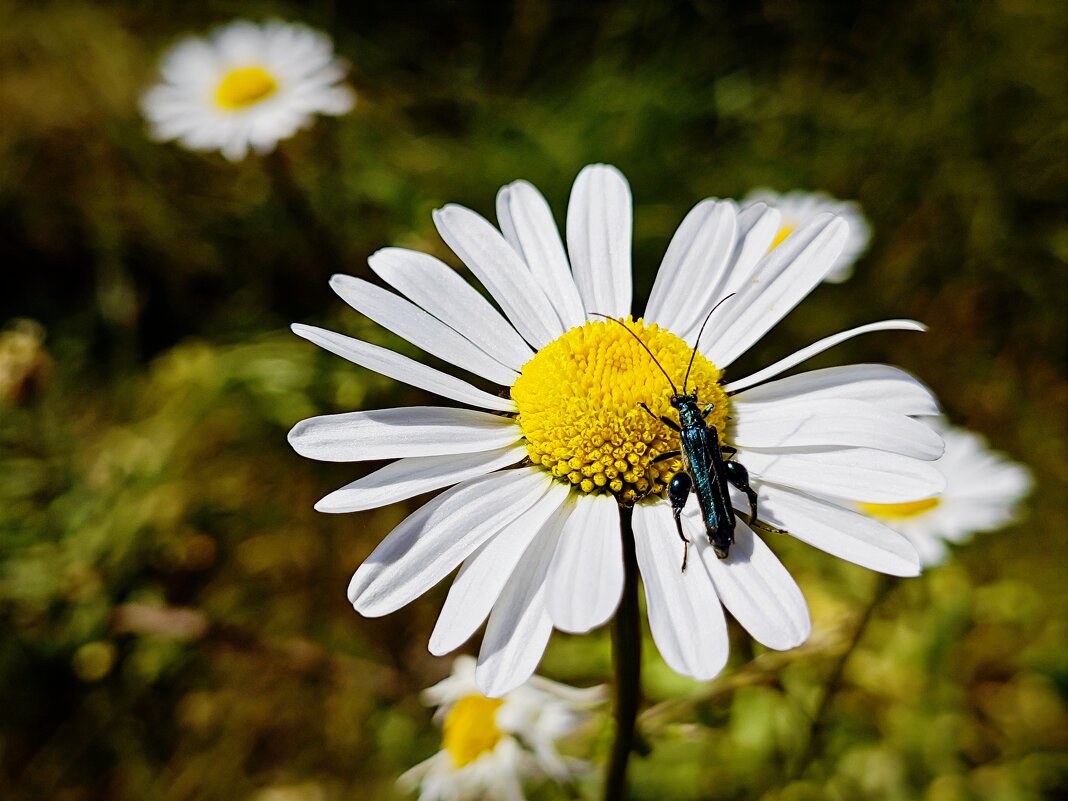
<point>983,489</point>
<point>247,85</point>
<point>491,744</point>
<point>800,208</point>
<point>539,475</point>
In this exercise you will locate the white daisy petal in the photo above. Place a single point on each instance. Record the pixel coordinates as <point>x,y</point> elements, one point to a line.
<point>519,625</point>
<point>393,433</point>
<point>485,572</point>
<point>408,321</point>
<point>784,277</point>
<point>434,539</point>
<point>685,615</point>
<point>799,207</point>
<point>527,223</point>
<point>816,348</point>
<point>488,255</point>
<point>840,532</point>
<point>888,387</point>
<point>407,478</point>
<point>757,226</point>
<point>694,264</point>
<point>586,574</point>
<point>801,423</point>
<point>859,474</point>
<point>401,368</point>
<point>755,587</point>
<point>598,239</point>
<point>436,287</point>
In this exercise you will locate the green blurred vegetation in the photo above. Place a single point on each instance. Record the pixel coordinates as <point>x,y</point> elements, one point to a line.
<point>173,616</point>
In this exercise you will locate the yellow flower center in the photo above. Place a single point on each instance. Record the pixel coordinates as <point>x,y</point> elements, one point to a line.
<point>244,87</point>
<point>470,729</point>
<point>900,511</point>
<point>578,402</point>
<point>780,237</point>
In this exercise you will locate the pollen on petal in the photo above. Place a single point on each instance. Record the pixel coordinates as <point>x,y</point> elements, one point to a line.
<point>579,402</point>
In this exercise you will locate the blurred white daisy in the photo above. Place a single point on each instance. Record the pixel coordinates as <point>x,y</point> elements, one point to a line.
<point>800,208</point>
<point>247,85</point>
<point>490,745</point>
<point>539,475</point>
<point>983,490</point>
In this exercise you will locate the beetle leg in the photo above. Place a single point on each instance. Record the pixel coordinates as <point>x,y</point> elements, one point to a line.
<point>665,456</point>
<point>708,410</point>
<point>739,477</point>
<point>760,524</point>
<point>678,492</point>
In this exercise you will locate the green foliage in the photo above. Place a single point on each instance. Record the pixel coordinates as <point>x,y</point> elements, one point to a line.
<point>173,612</point>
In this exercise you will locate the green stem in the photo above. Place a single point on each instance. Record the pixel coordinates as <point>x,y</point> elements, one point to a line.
<point>817,730</point>
<point>626,657</point>
<point>321,243</point>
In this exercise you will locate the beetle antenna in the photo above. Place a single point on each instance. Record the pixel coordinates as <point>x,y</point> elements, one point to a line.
<point>697,341</point>
<point>674,388</point>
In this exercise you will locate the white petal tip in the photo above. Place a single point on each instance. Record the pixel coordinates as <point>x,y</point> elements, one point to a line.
<point>569,627</point>
<point>293,437</point>
<point>325,506</point>
<point>439,649</point>
<point>493,685</point>
<point>706,674</point>
<point>793,640</point>
<point>899,565</point>
<point>509,188</point>
<point>601,166</point>
<point>340,281</point>
<point>366,607</point>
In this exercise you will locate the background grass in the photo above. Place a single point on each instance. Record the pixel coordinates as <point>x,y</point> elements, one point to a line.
<point>172,615</point>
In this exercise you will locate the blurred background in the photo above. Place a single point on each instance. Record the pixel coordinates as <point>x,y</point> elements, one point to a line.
<point>173,621</point>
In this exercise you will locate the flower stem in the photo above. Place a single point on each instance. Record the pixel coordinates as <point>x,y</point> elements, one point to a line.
<point>817,730</point>
<point>626,657</point>
<point>320,241</point>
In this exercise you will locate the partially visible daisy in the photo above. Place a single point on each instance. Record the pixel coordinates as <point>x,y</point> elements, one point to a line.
<point>540,473</point>
<point>247,85</point>
<point>800,208</point>
<point>490,745</point>
<point>983,490</point>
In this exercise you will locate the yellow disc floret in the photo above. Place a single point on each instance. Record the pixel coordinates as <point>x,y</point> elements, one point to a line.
<point>579,406</point>
<point>470,729</point>
<point>243,87</point>
<point>900,511</point>
<point>780,237</point>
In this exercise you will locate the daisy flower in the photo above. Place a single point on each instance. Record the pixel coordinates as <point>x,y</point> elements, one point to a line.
<point>489,745</point>
<point>246,86</point>
<point>537,474</point>
<point>983,489</point>
<point>800,208</point>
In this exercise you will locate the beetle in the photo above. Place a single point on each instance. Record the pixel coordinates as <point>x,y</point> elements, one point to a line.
<point>706,469</point>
